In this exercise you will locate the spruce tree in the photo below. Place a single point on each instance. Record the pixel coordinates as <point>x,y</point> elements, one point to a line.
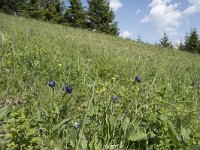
<point>48,10</point>
<point>181,47</point>
<point>101,17</point>
<point>186,39</point>
<point>192,42</point>
<point>34,9</point>
<point>53,10</point>
<point>75,15</point>
<point>199,46</point>
<point>139,39</point>
<point>12,6</point>
<point>164,42</point>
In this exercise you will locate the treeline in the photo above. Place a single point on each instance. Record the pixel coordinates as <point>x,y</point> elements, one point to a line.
<point>98,17</point>
<point>191,43</point>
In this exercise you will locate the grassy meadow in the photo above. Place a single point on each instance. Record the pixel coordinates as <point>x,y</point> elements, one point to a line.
<point>103,106</point>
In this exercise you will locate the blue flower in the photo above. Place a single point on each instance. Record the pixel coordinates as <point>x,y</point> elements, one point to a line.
<point>77,125</point>
<point>68,89</point>
<point>114,99</point>
<point>138,79</point>
<point>52,84</point>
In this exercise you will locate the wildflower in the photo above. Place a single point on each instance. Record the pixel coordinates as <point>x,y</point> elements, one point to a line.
<point>138,79</point>
<point>77,125</point>
<point>68,89</point>
<point>113,79</point>
<point>60,65</point>
<point>114,99</point>
<point>52,84</point>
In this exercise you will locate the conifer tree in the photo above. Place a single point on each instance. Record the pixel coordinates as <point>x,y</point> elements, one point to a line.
<point>198,46</point>
<point>186,38</point>
<point>12,6</point>
<point>53,10</point>
<point>192,42</point>
<point>164,42</point>
<point>75,15</point>
<point>182,44</point>
<point>34,9</point>
<point>101,17</point>
<point>181,47</point>
<point>48,10</point>
<point>139,39</point>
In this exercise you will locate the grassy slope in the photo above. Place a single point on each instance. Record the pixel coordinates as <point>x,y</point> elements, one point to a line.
<point>33,53</point>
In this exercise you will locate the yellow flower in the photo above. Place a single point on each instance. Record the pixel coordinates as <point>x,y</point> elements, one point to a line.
<point>100,91</point>
<point>113,78</point>
<point>60,65</point>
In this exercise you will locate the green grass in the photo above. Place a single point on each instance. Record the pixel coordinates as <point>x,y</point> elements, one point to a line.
<point>162,112</point>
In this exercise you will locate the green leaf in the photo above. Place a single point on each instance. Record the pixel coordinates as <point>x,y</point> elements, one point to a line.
<point>138,136</point>
<point>125,123</point>
<point>173,134</point>
<point>36,139</point>
<point>163,118</point>
<point>45,112</point>
<point>150,134</point>
<point>95,143</point>
<point>59,125</point>
<point>4,111</point>
<point>83,141</point>
<point>91,111</point>
<point>72,139</point>
<point>185,133</point>
<point>110,147</point>
<point>121,146</point>
<point>32,131</point>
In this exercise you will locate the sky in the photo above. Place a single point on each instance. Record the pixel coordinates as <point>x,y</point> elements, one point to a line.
<point>149,19</point>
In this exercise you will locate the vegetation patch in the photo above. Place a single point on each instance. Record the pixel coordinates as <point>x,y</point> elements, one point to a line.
<point>66,88</point>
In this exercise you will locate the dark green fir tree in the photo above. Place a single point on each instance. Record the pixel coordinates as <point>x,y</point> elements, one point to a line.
<point>101,17</point>
<point>75,15</point>
<point>53,10</point>
<point>181,47</point>
<point>192,42</point>
<point>34,9</point>
<point>12,6</point>
<point>164,42</point>
<point>48,10</point>
<point>199,46</point>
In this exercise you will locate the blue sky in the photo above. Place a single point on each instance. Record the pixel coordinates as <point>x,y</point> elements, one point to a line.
<point>150,18</point>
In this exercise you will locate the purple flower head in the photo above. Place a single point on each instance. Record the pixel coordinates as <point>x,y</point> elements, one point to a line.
<point>138,79</point>
<point>114,99</point>
<point>77,125</point>
<point>68,89</point>
<point>52,84</point>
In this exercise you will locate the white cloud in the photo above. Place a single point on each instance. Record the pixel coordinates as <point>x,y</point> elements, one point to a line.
<point>164,15</point>
<point>170,31</point>
<point>138,11</point>
<point>193,8</point>
<point>190,10</point>
<point>115,4</point>
<point>176,44</point>
<point>125,34</point>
